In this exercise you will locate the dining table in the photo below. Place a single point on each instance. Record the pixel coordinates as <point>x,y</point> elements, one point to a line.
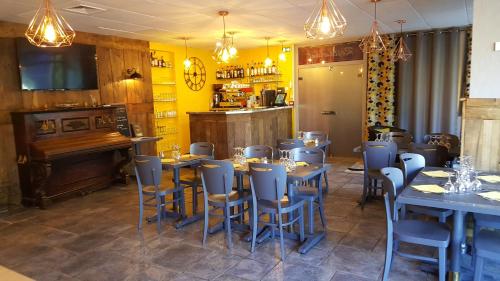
<point>186,160</point>
<point>306,173</point>
<point>460,203</point>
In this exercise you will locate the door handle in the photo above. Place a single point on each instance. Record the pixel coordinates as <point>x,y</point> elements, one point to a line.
<point>328,112</point>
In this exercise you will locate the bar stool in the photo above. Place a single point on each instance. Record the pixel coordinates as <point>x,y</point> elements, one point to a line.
<point>148,172</point>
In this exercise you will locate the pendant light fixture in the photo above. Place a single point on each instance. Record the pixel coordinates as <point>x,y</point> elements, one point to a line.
<point>222,53</point>
<point>326,21</point>
<point>373,42</point>
<point>282,55</point>
<point>187,61</point>
<point>232,50</point>
<point>48,29</point>
<point>402,52</point>
<point>268,62</point>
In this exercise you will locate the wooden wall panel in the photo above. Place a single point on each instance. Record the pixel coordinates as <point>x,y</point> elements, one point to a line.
<point>481,133</point>
<point>114,56</point>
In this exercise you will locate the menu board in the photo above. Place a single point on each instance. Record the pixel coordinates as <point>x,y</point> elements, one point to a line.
<point>121,120</point>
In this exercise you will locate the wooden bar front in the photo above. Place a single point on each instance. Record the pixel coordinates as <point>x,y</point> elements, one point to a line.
<point>240,128</point>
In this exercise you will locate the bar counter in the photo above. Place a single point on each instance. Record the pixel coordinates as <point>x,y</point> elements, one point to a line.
<point>240,128</point>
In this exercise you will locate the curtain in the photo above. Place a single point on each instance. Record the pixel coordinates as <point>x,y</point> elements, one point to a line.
<point>380,95</point>
<point>430,84</point>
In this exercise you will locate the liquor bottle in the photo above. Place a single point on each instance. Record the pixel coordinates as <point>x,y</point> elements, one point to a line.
<point>235,72</point>
<point>155,60</point>
<point>273,68</point>
<point>252,70</point>
<point>248,70</point>
<point>242,72</point>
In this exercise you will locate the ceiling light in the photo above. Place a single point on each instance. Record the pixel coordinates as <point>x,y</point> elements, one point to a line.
<point>402,52</point>
<point>268,62</point>
<point>222,52</point>
<point>373,42</point>
<point>48,29</point>
<point>282,55</point>
<point>187,61</point>
<point>232,50</point>
<point>326,21</point>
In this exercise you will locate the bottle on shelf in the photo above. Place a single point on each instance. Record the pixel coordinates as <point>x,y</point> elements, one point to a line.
<point>248,70</point>
<point>273,68</point>
<point>252,70</point>
<point>163,63</point>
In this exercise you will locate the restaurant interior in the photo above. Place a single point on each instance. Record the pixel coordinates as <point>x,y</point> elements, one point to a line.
<point>250,140</point>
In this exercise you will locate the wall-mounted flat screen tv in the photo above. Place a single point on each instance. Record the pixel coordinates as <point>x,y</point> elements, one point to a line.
<point>66,68</point>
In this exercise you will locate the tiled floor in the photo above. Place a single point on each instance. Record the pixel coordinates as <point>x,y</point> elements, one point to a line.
<point>95,238</point>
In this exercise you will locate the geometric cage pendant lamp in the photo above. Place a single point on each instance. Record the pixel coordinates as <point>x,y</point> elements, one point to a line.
<point>48,29</point>
<point>401,52</point>
<point>373,42</point>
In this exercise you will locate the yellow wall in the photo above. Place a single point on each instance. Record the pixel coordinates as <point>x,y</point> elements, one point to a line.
<point>187,99</point>
<point>259,55</point>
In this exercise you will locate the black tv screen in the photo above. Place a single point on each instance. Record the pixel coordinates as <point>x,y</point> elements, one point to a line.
<point>67,68</point>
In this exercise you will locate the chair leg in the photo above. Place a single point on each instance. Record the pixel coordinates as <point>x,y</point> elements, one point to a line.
<point>442,264</point>
<point>205,224</point>
<point>388,257</point>
<point>195,199</point>
<point>227,218</point>
<point>158,214</point>
<point>478,268</point>
<point>321,212</point>
<point>325,176</point>
<point>365,193</point>
<point>301,224</point>
<point>272,220</point>
<point>255,227</point>
<point>282,240</point>
<point>141,214</point>
<point>442,218</point>
<point>310,206</point>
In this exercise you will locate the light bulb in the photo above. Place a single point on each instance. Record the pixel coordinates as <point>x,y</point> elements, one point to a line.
<point>233,51</point>
<point>268,62</point>
<point>225,55</point>
<point>49,33</point>
<point>325,25</point>
<point>282,56</point>
<point>187,64</point>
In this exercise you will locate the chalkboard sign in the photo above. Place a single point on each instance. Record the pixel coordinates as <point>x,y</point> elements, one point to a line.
<point>121,120</point>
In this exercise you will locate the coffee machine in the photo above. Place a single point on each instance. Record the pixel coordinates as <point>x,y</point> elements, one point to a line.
<point>267,97</point>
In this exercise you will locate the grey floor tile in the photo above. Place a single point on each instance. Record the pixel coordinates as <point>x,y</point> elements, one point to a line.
<point>345,276</point>
<point>353,260</point>
<point>250,269</point>
<point>298,272</point>
<point>180,256</point>
<point>213,265</point>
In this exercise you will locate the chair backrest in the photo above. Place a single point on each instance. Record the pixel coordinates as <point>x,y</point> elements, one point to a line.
<point>148,170</point>
<point>435,155</point>
<point>411,164</point>
<point>268,181</point>
<point>393,185</point>
<point>379,154</point>
<point>453,140</point>
<point>315,135</point>
<point>258,151</point>
<point>289,144</point>
<point>378,129</point>
<point>217,176</point>
<point>308,155</point>
<point>402,139</point>
<point>202,148</point>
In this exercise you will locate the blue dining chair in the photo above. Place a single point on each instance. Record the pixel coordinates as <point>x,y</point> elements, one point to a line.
<point>435,155</point>
<point>289,144</point>
<point>402,139</point>
<point>486,246</point>
<point>148,172</point>
<point>376,155</point>
<point>426,233</point>
<point>193,179</point>
<point>258,151</point>
<point>489,243</point>
<point>217,180</point>
<point>310,193</point>
<point>321,136</point>
<point>411,165</point>
<point>268,184</point>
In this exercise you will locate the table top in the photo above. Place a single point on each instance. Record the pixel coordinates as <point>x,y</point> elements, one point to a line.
<point>144,139</point>
<point>321,144</point>
<point>469,202</point>
<point>301,173</point>
<point>186,160</point>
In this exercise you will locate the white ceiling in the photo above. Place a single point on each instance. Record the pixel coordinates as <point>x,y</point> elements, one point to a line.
<point>166,20</point>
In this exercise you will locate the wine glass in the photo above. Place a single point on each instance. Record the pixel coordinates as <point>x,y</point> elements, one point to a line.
<point>449,186</point>
<point>300,135</point>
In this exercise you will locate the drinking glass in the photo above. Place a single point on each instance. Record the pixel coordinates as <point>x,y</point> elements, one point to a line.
<point>300,135</point>
<point>449,186</point>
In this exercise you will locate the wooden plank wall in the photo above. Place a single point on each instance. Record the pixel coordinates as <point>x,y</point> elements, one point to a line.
<point>481,133</point>
<point>114,54</point>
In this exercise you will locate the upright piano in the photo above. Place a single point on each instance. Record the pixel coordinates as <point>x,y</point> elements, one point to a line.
<point>61,152</point>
